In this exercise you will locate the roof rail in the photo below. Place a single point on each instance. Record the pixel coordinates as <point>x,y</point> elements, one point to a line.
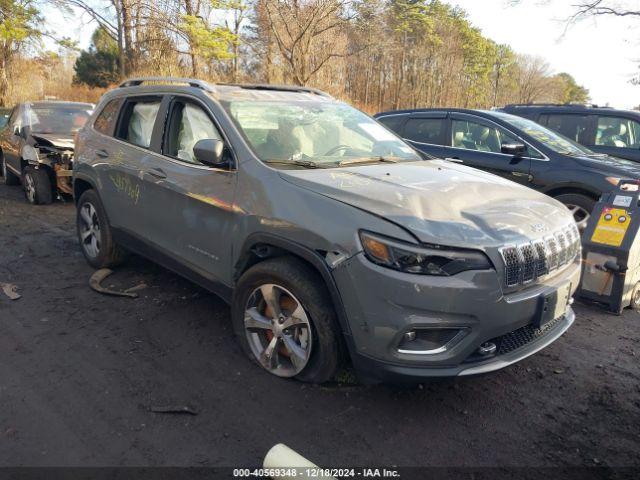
<point>192,82</point>
<point>578,105</point>
<point>279,88</point>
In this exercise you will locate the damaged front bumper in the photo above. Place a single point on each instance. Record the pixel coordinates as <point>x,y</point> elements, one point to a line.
<point>457,315</point>
<point>58,159</point>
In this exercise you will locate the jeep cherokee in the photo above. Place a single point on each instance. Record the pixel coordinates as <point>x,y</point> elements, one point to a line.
<point>330,237</point>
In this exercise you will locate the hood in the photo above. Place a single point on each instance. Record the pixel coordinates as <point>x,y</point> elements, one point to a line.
<point>441,202</point>
<point>610,164</point>
<point>54,140</point>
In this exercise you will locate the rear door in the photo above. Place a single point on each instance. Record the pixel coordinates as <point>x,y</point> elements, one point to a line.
<point>477,142</point>
<point>618,136</point>
<point>427,132</point>
<point>119,159</point>
<point>190,206</point>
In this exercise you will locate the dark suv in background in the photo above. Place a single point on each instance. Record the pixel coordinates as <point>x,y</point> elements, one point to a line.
<point>602,129</point>
<point>515,148</point>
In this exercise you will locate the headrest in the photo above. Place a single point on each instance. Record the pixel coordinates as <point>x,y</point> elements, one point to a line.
<point>623,129</point>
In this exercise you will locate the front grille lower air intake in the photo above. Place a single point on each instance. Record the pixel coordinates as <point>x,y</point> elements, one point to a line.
<point>527,262</point>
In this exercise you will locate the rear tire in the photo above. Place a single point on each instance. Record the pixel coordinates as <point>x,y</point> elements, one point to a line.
<point>318,339</point>
<point>9,177</point>
<point>94,233</point>
<point>580,206</point>
<point>37,186</point>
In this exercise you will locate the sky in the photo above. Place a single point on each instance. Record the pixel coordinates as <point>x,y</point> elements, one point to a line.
<point>599,53</point>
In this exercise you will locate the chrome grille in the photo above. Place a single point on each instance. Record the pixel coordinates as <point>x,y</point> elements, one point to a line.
<point>542,267</point>
<point>562,248</point>
<point>511,265</point>
<point>527,262</point>
<point>552,247</point>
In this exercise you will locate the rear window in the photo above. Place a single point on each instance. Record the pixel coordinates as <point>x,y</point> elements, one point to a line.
<point>137,121</point>
<point>105,121</point>
<point>571,126</point>
<point>393,122</point>
<point>425,130</point>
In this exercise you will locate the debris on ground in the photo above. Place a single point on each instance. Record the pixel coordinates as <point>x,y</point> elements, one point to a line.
<point>10,290</point>
<point>173,409</point>
<point>95,282</point>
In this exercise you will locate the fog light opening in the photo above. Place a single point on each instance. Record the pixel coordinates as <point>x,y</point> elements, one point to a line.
<point>430,341</point>
<point>409,336</point>
<point>487,349</point>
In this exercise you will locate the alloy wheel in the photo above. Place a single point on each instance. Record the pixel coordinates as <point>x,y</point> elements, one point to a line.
<point>580,215</point>
<point>30,188</point>
<point>89,230</point>
<point>278,330</point>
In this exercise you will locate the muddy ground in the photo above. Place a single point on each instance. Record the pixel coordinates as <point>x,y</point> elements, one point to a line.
<point>79,372</point>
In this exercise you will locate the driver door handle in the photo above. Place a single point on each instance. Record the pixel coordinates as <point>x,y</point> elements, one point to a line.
<point>157,173</point>
<point>522,174</point>
<point>102,153</point>
<point>454,159</point>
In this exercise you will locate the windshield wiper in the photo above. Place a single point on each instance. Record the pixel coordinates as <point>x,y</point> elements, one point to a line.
<point>299,163</point>
<point>355,161</point>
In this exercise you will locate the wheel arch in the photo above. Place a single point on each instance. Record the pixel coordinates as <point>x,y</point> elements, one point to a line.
<point>554,192</point>
<point>262,246</point>
<point>81,185</point>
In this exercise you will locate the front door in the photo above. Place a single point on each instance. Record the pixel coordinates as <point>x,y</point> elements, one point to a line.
<point>478,143</point>
<point>191,212</point>
<point>13,139</point>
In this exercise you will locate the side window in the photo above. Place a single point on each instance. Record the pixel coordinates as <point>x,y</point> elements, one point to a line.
<point>476,136</point>
<point>105,120</point>
<point>393,122</point>
<point>137,121</point>
<point>571,126</point>
<point>188,124</point>
<point>618,132</point>
<point>425,130</point>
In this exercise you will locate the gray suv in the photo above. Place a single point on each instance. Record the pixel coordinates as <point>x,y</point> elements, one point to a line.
<point>331,238</point>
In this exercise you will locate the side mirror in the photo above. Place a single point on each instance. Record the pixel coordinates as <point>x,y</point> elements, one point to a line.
<point>17,131</point>
<point>210,152</point>
<point>515,149</point>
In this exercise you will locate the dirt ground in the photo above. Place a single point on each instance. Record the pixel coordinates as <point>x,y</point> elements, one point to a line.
<point>79,372</point>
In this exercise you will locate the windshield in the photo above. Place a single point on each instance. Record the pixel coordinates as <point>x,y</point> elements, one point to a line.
<point>550,139</point>
<point>57,120</point>
<point>315,133</point>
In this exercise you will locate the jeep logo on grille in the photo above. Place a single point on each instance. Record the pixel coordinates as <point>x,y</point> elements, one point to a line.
<point>539,227</point>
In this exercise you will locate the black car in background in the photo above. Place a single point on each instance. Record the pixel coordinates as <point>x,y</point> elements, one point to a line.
<point>602,129</point>
<point>515,148</point>
<point>36,147</point>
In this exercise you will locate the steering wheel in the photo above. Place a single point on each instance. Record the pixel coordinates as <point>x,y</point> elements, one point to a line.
<point>337,149</point>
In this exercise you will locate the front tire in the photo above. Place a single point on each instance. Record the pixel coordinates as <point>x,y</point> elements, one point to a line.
<point>94,233</point>
<point>285,322</point>
<point>37,186</point>
<point>580,207</point>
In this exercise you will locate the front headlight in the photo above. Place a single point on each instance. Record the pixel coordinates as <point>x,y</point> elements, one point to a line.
<point>409,258</point>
